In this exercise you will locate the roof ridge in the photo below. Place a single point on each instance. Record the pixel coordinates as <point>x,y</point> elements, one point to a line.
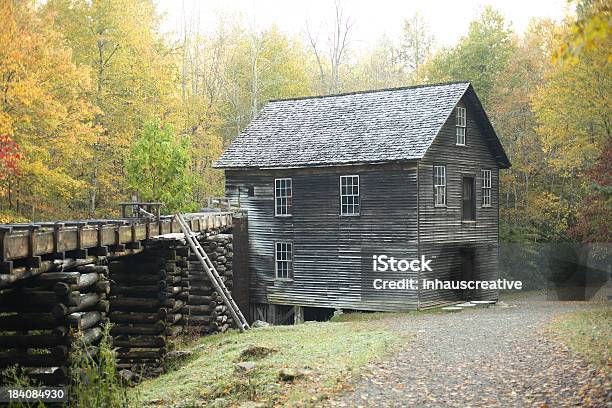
<point>399,88</point>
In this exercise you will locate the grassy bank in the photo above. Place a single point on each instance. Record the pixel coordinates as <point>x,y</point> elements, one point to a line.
<point>326,353</point>
<point>588,334</point>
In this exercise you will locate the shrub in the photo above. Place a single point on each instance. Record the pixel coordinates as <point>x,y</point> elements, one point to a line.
<point>94,381</point>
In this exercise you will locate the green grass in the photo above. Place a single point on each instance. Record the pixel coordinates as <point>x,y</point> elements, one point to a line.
<point>365,316</point>
<point>374,316</point>
<point>330,351</point>
<point>587,333</point>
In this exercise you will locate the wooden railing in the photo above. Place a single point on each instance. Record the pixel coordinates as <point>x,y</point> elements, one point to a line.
<point>221,203</point>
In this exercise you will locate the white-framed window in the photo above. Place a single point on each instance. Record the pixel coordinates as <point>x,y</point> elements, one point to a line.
<point>486,188</point>
<point>349,195</point>
<point>460,126</point>
<point>439,186</point>
<point>283,260</point>
<point>283,195</point>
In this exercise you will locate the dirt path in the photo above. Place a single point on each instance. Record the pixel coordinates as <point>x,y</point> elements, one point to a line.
<point>484,357</point>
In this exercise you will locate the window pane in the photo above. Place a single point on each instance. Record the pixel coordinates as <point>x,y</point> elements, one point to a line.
<point>460,116</point>
<point>349,195</point>
<point>440,185</point>
<point>460,135</point>
<point>486,188</point>
<point>284,259</point>
<point>283,194</point>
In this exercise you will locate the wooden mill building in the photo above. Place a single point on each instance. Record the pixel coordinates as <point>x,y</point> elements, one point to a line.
<point>331,181</point>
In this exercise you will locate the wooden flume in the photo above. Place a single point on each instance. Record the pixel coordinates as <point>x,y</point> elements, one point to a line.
<point>152,292</point>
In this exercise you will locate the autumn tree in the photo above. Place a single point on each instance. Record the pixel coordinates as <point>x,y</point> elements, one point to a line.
<point>516,124</point>
<point>226,77</point>
<point>479,57</point>
<point>45,110</point>
<point>376,68</point>
<point>10,155</point>
<point>416,45</point>
<point>280,72</point>
<point>133,74</point>
<point>594,218</point>
<point>575,129</point>
<point>589,32</point>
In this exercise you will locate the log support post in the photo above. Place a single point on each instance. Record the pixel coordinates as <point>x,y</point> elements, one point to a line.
<point>298,315</point>
<point>57,254</point>
<point>101,249</point>
<point>5,266</point>
<point>133,231</point>
<point>32,261</point>
<point>117,246</point>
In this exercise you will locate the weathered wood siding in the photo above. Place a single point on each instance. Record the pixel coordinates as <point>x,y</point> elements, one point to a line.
<point>441,232</point>
<point>332,253</point>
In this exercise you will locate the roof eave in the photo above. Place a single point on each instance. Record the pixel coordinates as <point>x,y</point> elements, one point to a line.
<point>318,165</point>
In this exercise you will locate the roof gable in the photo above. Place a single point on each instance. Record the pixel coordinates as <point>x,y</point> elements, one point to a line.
<point>365,127</point>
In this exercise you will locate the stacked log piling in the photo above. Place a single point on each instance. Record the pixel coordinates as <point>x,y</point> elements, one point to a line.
<point>205,312</point>
<point>151,289</point>
<point>44,317</point>
<point>147,298</point>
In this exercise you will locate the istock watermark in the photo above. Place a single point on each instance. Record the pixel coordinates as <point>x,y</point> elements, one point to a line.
<point>388,270</point>
<point>384,263</point>
<point>439,284</point>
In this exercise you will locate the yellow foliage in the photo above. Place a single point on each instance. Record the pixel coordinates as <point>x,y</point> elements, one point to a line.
<point>573,110</point>
<point>590,32</point>
<point>43,110</point>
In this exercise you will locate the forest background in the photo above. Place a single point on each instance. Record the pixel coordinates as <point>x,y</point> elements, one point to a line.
<point>97,106</point>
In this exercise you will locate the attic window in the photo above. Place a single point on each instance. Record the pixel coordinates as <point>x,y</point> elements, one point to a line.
<point>486,188</point>
<point>460,126</point>
<point>349,195</point>
<point>283,196</point>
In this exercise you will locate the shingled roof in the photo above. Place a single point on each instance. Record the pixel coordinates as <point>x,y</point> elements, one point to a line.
<point>386,125</point>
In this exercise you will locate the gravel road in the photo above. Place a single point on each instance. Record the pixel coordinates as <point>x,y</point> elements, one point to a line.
<point>485,357</point>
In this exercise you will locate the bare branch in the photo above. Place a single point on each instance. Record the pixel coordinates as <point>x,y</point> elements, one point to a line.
<point>313,44</point>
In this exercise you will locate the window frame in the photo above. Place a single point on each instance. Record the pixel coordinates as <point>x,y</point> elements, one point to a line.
<point>436,186</point>
<point>289,261</point>
<point>460,125</point>
<point>289,203</point>
<point>487,191</point>
<point>358,195</point>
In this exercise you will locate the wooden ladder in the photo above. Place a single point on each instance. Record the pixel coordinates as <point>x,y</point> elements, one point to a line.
<point>213,275</point>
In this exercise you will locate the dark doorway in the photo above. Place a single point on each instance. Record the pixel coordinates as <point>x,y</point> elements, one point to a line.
<point>468,271</point>
<point>469,200</point>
